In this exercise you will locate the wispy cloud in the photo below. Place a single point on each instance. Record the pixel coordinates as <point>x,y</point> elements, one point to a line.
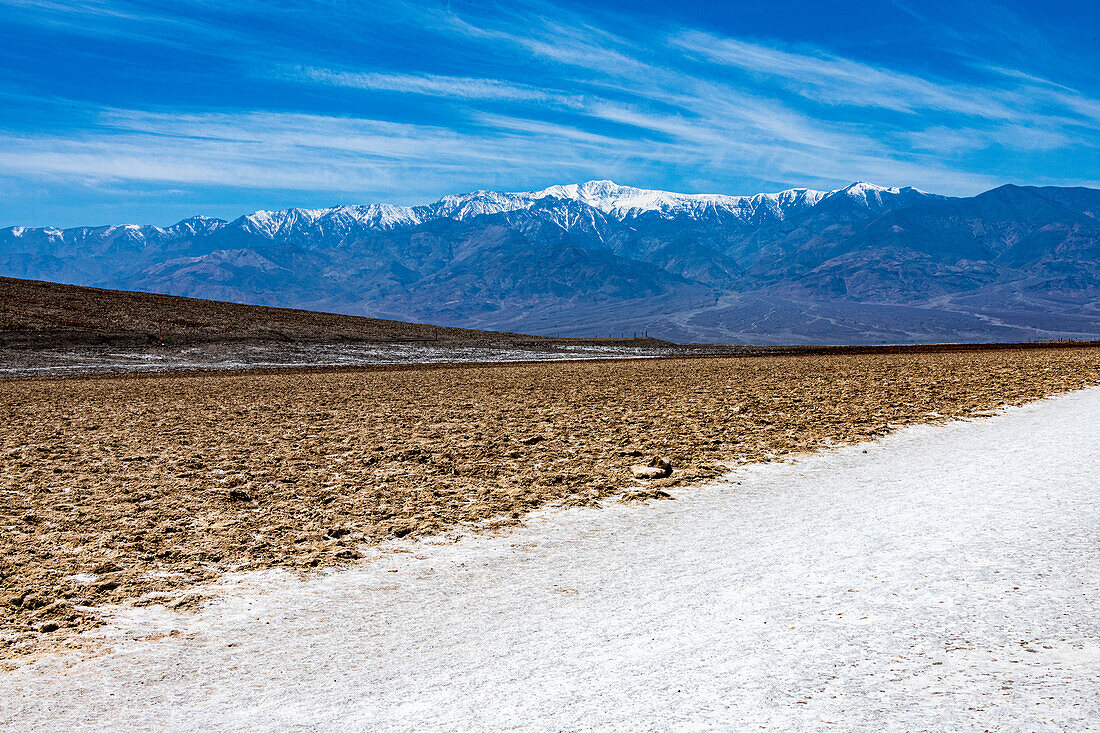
<point>414,100</point>
<point>286,151</point>
<point>434,85</point>
<point>362,157</point>
<point>833,80</point>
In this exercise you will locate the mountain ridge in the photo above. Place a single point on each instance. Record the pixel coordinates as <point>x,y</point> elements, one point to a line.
<point>860,264</point>
<point>604,195</point>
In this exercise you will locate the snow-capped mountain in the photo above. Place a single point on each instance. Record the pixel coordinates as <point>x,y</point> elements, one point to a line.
<point>615,202</point>
<point>861,263</point>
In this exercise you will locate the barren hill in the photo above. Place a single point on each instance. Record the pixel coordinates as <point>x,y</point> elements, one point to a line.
<point>43,314</point>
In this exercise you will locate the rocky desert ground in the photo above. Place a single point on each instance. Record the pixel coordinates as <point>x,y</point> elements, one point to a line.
<point>140,488</point>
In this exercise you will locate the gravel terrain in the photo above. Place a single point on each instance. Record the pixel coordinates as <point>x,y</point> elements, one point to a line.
<point>139,489</point>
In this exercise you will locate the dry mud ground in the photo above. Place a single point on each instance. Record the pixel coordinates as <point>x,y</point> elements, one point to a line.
<point>137,488</point>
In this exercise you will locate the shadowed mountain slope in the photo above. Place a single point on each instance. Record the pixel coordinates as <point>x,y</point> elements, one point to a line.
<point>42,314</point>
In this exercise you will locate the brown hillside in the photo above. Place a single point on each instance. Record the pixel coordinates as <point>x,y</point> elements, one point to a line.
<point>42,314</point>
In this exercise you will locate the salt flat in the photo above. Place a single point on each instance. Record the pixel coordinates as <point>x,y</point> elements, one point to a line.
<point>944,578</point>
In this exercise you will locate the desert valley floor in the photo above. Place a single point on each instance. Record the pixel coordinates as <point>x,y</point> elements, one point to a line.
<point>205,518</point>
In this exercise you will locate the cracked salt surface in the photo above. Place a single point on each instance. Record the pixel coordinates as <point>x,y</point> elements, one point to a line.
<point>944,578</point>
<point>221,357</point>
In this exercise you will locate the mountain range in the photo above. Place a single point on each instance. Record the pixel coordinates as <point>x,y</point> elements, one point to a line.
<point>861,264</point>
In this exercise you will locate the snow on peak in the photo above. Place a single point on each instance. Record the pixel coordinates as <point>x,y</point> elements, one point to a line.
<point>619,202</point>
<point>871,196</point>
<point>271,222</point>
<point>373,216</point>
<point>333,219</point>
<point>627,201</point>
<point>611,199</point>
<point>862,189</point>
<point>464,206</point>
<point>624,202</point>
<point>191,226</point>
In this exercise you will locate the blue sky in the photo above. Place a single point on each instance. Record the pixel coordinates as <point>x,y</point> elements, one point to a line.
<point>143,112</point>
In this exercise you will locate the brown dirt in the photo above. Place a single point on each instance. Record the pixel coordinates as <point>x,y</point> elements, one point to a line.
<point>36,315</point>
<point>152,484</point>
